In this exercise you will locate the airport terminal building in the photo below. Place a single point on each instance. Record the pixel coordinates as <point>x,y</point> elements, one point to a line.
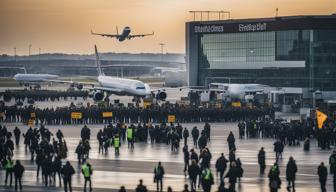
<point>294,51</point>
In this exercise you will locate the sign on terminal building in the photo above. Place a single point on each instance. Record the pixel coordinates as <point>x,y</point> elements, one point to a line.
<point>252,27</point>
<point>231,28</point>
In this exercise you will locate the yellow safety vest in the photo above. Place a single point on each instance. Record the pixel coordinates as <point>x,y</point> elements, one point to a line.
<point>9,164</point>
<point>207,174</point>
<point>86,170</point>
<point>129,133</point>
<point>116,142</point>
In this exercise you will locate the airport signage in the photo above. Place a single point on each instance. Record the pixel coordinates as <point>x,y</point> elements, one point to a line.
<point>171,118</point>
<point>107,114</point>
<point>76,115</point>
<point>209,29</point>
<point>236,104</point>
<point>252,27</point>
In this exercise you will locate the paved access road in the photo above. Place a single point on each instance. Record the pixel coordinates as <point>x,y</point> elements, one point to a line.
<point>110,172</point>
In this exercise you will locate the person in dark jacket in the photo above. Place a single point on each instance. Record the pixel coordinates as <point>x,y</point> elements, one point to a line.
<point>158,176</point>
<point>141,187</point>
<point>195,135</point>
<point>240,169</point>
<point>186,156</point>
<point>57,165</point>
<point>262,161</point>
<point>185,136</point>
<point>17,134</point>
<point>193,172</point>
<point>322,172</point>
<point>18,170</point>
<point>291,173</point>
<point>232,174</point>
<point>231,141</point>
<point>274,178</point>
<point>221,166</point>
<point>46,170</point>
<point>67,172</point>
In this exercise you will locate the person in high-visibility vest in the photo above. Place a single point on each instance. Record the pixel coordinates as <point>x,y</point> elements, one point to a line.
<point>116,143</point>
<point>9,170</point>
<point>207,180</point>
<point>158,176</point>
<point>87,172</point>
<point>130,137</point>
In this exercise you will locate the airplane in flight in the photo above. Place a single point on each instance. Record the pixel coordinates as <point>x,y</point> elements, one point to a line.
<point>123,36</point>
<point>115,85</point>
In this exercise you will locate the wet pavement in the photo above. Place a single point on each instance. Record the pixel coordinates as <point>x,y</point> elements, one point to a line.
<point>110,172</point>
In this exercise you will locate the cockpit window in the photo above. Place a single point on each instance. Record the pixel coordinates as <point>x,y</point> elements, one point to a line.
<point>140,87</point>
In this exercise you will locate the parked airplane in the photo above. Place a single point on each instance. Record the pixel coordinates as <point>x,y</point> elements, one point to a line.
<point>115,85</point>
<point>124,35</point>
<point>28,79</point>
<point>238,91</point>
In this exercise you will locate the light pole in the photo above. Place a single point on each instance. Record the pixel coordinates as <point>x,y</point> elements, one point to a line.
<point>162,45</point>
<point>15,54</point>
<point>29,49</point>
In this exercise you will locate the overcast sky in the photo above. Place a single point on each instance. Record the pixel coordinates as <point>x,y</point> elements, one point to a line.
<point>64,25</point>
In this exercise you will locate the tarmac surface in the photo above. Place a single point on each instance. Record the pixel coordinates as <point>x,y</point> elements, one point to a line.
<point>110,172</point>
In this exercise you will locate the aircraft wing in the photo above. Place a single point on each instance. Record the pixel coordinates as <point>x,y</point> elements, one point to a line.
<point>73,83</point>
<point>105,89</point>
<point>193,88</point>
<point>89,86</point>
<point>105,34</point>
<point>140,35</point>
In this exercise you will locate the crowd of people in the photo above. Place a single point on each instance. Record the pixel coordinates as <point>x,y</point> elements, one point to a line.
<point>49,150</point>
<point>291,133</point>
<point>92,114</point>
<point>42,95</point>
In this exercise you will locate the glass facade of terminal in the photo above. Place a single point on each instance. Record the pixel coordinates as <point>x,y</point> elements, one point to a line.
<point>295,58</point>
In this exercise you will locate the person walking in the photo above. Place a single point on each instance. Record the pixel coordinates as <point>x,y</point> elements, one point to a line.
<point>193,172</point>
<point>158,176</point>
<point>186,156</point>
<point>185,135</point>
<point>207,180</point>
<point>116,143</point>
<point>17,134</point>
<point>274,178</point>
<point>262,161</point>
<point>232,174</point>
<point>87,172</point>
<point>130,137</point>
<point>9,170</point>
<point>221,166</point>
<point>291,173</point>
<point>322,172</point>
<point>67,172</point>
<point>18,170</point>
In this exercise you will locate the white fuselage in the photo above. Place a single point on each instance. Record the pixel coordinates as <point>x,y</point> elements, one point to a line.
<point>34,78</point>
<point>126,86</point>
<point>239,91</point>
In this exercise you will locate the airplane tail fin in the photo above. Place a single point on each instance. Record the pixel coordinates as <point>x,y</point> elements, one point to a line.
<point>99,69</point>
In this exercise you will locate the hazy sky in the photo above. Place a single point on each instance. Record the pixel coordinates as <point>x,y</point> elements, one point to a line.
<point>64,25</point>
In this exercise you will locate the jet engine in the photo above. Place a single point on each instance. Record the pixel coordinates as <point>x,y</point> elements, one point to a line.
<point>79,86</point>
<point>97,96</point>
<point>161,95</point>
